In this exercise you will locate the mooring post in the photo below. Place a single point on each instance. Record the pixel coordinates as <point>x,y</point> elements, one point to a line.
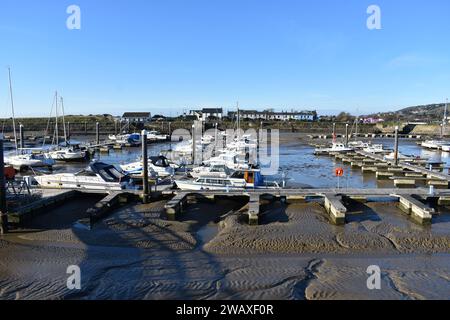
<point>68,130</point>
<point>145,166</point>
<point>22,138</point>
<point>3,209</point>
<point>97,133</point>
<point>194,146</point>
<point>396,146</point>
<point>346,134</point>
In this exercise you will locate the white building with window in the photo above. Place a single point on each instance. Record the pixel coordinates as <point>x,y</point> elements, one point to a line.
<point>273,115</point>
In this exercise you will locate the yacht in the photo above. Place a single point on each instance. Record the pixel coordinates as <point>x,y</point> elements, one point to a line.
<point>374,148</point>
<point>358,144</point>
<point>239,180</point>
<point>69,153</point>
<point>156,136</point>
<point>98,176</point>
<point>133,138</point>
<point>391,156</point>
<point>228,159</point>
<point>435,144</point>
<point>25,161</point>
<point>220,171</point>
<point>157,166</point>
<point>335,147</point>
<point>184,147</point>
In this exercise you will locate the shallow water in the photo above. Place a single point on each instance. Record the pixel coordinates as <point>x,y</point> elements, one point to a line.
<point>303,167</point>
<point>297,161</point>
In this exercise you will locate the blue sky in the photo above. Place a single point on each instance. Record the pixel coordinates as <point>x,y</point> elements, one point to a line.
<point>168,55</point>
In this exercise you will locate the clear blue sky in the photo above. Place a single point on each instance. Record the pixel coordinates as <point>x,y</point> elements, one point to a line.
<point>168,55</point>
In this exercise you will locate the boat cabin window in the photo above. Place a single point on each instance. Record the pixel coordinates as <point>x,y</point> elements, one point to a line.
<point>111,174</point>
<point>238,175</point>
<point>161,162</point>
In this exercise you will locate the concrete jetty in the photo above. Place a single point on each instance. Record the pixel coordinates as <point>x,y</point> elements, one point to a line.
<point>334,201</point>
<point>335,208</point>
<point>416,209</point>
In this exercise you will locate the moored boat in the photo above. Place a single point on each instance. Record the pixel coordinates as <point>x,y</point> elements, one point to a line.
<point>99,176</point>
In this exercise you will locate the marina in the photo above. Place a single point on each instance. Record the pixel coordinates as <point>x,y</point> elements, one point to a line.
<point>217,158</point>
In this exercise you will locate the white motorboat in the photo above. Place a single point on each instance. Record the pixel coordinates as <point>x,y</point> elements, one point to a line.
<point>239,180</point>
<point>228,159</point>
<point>29,160</point>
<point>435,144</point>
<point>156,136</point>
<point>374,148</point>
<point>133,138</point>
<point>220,171</point>
<point>335,147</point>
<point>99,176</point>
<point>391,156</point>
<point>211,183</point>
<point>358,144</point>
<point>71,153</point>
<point>184,147</point>
<point>158,166</point>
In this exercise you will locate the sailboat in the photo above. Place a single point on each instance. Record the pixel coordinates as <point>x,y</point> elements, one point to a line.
<point>68,152</point>
<point>24,160</point>
<point>439,144</point>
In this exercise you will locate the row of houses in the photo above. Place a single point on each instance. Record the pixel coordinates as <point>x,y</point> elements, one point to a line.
<point>218,114</point>
<point>273,115</point>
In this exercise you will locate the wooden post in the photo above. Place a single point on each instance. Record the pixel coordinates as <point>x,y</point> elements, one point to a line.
<point>97,133</point>
<point>145,166</point>
<point>194,147</point>
<point>3,209</point>
<point>346,134</point>
<point>68,130</point>
<point>22,138</point>
<point>396,146</point>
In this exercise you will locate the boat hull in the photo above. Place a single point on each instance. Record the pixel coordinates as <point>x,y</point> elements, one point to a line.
<point>67,181</point>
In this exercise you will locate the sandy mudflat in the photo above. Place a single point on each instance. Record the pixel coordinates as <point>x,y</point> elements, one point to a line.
<point>294,254</point>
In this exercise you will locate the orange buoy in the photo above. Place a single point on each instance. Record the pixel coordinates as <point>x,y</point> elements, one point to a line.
<point>339,172</point>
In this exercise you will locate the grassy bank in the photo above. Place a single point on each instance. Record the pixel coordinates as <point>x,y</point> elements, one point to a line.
<point>86,125</point>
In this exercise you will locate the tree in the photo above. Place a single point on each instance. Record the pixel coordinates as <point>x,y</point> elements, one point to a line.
<point>344,117</point>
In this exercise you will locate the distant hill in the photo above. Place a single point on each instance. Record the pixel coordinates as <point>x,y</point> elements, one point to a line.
<point>423,113</point>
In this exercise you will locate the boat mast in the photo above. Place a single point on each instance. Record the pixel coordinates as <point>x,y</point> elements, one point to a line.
<point>12,108</point>
<point>444,122</point>
<point>64,120</point>
<point>56,120</point>
<point>238,122</point>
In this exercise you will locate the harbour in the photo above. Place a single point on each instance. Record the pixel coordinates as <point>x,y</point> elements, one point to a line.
<point>220,158</point>
<point>354,202</point>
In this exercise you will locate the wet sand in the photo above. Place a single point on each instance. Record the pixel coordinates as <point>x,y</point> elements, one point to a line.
<point>294,254</point>
<point>212,253</point>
